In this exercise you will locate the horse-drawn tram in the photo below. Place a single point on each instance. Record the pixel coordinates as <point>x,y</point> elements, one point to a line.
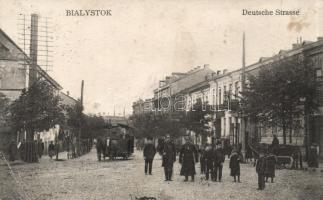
<point>117,142</point>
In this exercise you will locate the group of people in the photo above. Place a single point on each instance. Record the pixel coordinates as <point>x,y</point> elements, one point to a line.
<point>211,159</point>
<point>265,168</point>
<point>14,149</point>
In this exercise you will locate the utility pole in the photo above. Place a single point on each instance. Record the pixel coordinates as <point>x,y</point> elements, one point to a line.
<point>243,82</point>
<point>80,125</point>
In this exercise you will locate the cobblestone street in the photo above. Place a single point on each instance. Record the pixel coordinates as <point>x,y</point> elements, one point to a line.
<point>85,178</point>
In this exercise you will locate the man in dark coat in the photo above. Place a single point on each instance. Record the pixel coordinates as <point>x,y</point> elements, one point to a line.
<point>209,162</point>
<point>234,165</point>
<point>51,150</point>
<point>188,157</point>
<point>149,154</point>
<point>218,163</point>
<point>270,166</point>
<point>275,142</point>
<point>202,160</point>
<point>99,148</point>
<point>313,156</point>
<point>41,148</point>
<point>169,157</point>
<point>12,150</point>
<point>261,169</point>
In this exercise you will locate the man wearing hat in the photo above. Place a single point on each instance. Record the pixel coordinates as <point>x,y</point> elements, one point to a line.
<point>188,157</point>
<point>149,154</point>
<point>219,160</point>
<point>169,157</point>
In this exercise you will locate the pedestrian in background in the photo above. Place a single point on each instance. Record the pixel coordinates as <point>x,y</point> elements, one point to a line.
<point>169,157</point>
<point>12,150</point>
<point>41,148</point>
<point>234,165</point>
<point>219,160</point>
<point>202,159</point>
<point>51,150</point>
<point>188,157</point>
<point>270,168</point>
<point>261,169</point>
<point>313,156</point>
<point>209,162</point>
<point>149,154</point>
<point>99,148</point>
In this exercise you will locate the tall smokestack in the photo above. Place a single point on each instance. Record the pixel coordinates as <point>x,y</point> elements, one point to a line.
<point>243,62</point>
<point>33,48</point>
<point>82,90</point>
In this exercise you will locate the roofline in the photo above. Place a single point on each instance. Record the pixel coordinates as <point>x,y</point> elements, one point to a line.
<point>43,72</point>
<point>187,75</point>
<point>289,52</point>
<point>69,96</point>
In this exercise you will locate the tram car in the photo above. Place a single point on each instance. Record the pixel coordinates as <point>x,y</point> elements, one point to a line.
<point>119,140</point>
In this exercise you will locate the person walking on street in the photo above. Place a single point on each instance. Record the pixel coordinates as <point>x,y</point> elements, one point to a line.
<point>209,162</point>
<point>275,142</point>
<point>219,160</point>
<point>270,166</point>
<point>149,154</point>
<point>169,157</point>
<point>234,165</point>
<point>41,148</point>
<point>51,150</point>
<point>261,169</point>
<point>99,148</point>
<point>188,157</point>
<point>12,150</point>
<point>202,159</point>
<point>313,156</point>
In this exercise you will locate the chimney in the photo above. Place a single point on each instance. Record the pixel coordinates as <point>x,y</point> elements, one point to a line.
<point>218,72</point>
<point>319,38</point>
<point>206,65</point>
<point>33,48</point>
<point>295,46</point>
<point>167,79</point>
<point>225,71</point>
<point>68,93</point>
<point>161,83</point>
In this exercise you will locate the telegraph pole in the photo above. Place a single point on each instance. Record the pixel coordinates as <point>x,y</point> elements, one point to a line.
<point>80,125</point>
<point>243,82</point>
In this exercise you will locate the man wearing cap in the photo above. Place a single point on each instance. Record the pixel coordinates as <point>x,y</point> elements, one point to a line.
<point>219,160</point>
<point>188,157</point>
<point>149,154</point>
<point>169,157</point>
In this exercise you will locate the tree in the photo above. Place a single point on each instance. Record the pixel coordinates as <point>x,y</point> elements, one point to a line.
<point>4,109</point>
<point>36,109</point>
<point>273,96</point>
<point>198,117</point>
<point>76,120</point>
<point>156,124</point>
<point>94,126</point>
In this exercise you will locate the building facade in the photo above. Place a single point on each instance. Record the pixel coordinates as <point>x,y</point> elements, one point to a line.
<point>222,91</point>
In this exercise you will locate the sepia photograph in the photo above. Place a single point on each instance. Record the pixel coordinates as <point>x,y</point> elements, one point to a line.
<point>161,100</point>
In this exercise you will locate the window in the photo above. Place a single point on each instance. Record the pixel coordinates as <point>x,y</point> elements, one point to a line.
<point>213,97</point>
<point>220,96</point>
<point>319,73</point>
<point>230,91</point>
<point>236,88</point>
<point>224,126</point>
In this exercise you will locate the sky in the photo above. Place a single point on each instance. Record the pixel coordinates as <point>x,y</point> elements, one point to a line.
<point>122,57</point>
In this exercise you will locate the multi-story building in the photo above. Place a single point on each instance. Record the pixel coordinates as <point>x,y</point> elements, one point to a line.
<point>225,91</point>
<point>17,72</point>
<point>173,89</point>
